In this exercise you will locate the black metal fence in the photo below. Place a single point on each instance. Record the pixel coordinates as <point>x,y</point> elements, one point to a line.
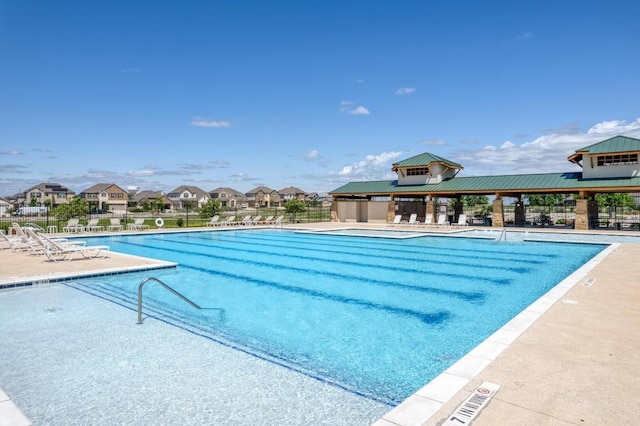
<point>183,219</point>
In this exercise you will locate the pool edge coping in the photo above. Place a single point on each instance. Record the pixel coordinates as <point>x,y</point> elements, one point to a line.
<point>422,405</point>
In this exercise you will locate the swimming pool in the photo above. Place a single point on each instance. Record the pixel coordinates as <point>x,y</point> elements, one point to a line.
<point>378,318</point>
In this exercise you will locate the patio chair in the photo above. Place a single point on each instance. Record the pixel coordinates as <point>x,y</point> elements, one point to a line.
<point>428,220</point>
<point>396,220</point>
<point>92,225</point>
<point>462,220</point>
<point>246,220</point>
<point>73,225</point>
<point>442,220</point>
<point>215,221</point>
<point>56,250</point>
<point>413,220</point>
<point>137,225</point>
<point>115,225</point>
<point>230,220</point>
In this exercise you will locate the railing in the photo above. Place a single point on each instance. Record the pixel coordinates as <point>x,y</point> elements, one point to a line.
<point>166,287</point>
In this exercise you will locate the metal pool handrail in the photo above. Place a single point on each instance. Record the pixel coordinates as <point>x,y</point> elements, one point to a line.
<point>163,285</point>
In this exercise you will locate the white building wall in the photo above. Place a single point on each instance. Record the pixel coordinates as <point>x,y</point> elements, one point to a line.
<point>597,172</point>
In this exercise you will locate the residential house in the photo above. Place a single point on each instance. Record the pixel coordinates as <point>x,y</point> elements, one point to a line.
<point>106,196</point>
<point>228,197</point>
<point>5,206</point>
<point>151,199</point>
<point>53,192</point>
<point>187,196</point>
<point>292,192</point>
<point>263,196</point>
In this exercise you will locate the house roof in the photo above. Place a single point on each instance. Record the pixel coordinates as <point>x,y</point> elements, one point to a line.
<point>614,145</point>
<point>231,191</point>
<point>50,187</point>
<point>191,189</point>
<point>148,195</point>
<point>546,182</point>
<point>292,190</point>
<point>101,187</point>
<point>425,159</point>
<point>257,189</point>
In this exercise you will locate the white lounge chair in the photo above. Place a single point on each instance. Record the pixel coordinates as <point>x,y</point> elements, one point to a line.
<point>13,242</point>
<point>428,220</point>
<point>396,220</point>
<point>267,220</point>
<point>58,251</point>
<point>215,221</point>
<point>40,243</point>
<point>115,225</point>
<point>230,220</point>
<point>137,225</point>
<point>245,220</point>
<point>92,225</point>
<point>462,220</point>
<point>442,220</point>
<point>413,220</point>
<point>73,225</point>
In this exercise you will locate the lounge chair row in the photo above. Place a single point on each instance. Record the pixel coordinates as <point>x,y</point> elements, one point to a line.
<point>428,221</point>
<point>247,220</point>
<point>74,225</point>
<point>29,240</point>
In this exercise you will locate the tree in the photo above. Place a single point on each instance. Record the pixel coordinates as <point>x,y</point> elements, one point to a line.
<point>295,206</point>
<point>158,204</point>
<point>616,200</point>
<point>76,207</point>
<point>209,209</point>
<point>547,200</point>
<point>474,200</point>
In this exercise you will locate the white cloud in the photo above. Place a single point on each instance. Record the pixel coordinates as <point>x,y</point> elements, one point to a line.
<point>311,155</point>
<point>525,35</point>
<point>433,142</point>
<point>405,91</point>
<point>348,108</point>
<point>202,122</point>
<point>545,154</point>
<point>12,152</point>
<point>373,167</point>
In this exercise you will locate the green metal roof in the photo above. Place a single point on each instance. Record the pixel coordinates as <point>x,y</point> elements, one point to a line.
<point>611,145</point>
<point>424,160</point>
<point>547,182</point>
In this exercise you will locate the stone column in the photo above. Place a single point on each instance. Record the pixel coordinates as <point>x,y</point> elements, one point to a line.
<point>498,213</point>
<point>391,210</point>
<point>334,211</point>
<point>582,214</point>
<point>431,207</point>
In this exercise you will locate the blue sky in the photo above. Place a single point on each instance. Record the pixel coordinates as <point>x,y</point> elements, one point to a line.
<point>313,94</point>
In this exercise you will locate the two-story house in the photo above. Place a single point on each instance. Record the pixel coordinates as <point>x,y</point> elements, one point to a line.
<point>228,197</point>
<point>291,193</point>
<point>263,196</point>
<point>106,196</point>
<point>187,196</point>
<point>152,199</point>
<point>53,192</point>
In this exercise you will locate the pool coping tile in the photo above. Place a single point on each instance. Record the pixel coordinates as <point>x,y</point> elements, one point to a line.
<point>422,405</point>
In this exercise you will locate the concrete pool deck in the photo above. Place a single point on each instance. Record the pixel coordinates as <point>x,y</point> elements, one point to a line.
<point>576,364</point>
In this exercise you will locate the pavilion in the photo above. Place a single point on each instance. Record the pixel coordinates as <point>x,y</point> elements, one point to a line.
<point>607,166</point>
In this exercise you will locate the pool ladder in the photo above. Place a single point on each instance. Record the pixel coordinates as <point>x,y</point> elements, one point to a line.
<point>166,287</point>
<point>502,235</point>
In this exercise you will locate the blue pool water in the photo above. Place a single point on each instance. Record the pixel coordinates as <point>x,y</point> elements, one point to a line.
<point>377,317</point>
